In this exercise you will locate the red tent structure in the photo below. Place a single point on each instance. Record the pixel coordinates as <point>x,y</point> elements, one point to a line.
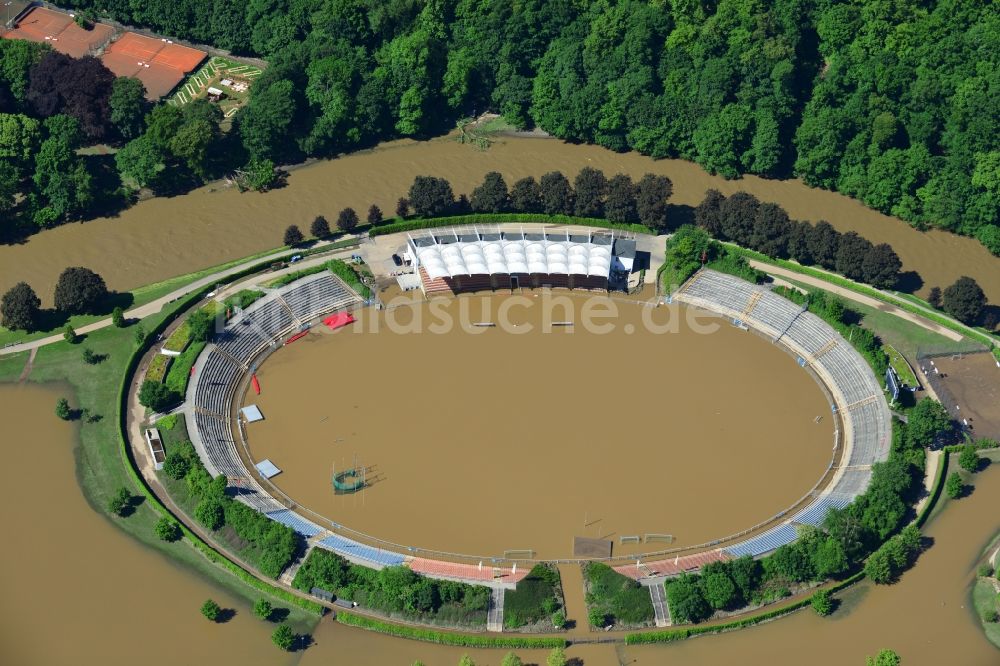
<point>337,320</point>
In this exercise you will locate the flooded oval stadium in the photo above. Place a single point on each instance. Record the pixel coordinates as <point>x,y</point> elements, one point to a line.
<point>633,421</point>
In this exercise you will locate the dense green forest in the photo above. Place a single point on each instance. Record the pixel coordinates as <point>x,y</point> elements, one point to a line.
<point>894,102</point>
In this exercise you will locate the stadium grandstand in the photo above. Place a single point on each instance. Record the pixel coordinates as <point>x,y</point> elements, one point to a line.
<point>216,378</point>
<point>857,402</point>
<point>857,396</point>
<point>484,259</point>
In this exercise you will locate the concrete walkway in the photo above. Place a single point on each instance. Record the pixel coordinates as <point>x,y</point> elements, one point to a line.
<point>658,595</point>
<point>858,298</point>
<point>288,575</point>
<point>494,613</point>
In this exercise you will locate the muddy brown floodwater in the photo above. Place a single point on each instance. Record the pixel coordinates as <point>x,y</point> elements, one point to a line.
<point>165,237</point>
<point>76,590</point>
<point>481,440</point>
<point>926,617</point>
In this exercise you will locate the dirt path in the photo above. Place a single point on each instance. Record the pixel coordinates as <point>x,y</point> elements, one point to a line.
<point>28,366</point>
<point>930,478</point>
<point>858,298</point>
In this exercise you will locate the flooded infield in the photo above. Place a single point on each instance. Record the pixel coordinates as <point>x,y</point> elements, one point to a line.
<point>926,617</point>
<point>523,436</point>
<point>80,591</point>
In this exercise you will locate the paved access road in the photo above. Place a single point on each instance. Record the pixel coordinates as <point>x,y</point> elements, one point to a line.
<point>385,245</point>
<point>858,298</point>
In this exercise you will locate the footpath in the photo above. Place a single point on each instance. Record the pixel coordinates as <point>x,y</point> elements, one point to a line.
<point>882,306</point>
<point>153,307</point>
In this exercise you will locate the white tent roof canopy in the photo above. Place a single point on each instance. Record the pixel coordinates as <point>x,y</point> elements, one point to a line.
<point>468,252</point>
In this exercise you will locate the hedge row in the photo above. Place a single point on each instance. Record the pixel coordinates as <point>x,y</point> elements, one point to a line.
<point>903,304</point>
<point>179,373</point>
<point>503,218</point>
<point>445,637</point>
<point>671,635</point>
<point>289,278</point>
<point>123,448</point>
<point>344,271</point>
<point>982,444</point>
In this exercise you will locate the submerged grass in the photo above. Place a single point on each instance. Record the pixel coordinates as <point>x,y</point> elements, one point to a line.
<point>101,469</point>
<point>986,599</point>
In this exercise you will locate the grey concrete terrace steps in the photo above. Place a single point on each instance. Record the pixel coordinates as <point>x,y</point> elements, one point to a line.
<point>856,392</point>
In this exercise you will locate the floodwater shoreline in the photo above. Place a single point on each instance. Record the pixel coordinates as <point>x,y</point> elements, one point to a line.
<point>77,547</point>
<point>166,236</point>
<point>384,645</point>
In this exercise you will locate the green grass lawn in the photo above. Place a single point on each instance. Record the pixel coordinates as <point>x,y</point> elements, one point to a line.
<point>8,336</point>
<point>620,599</point>
<point>906,302</point>
<point>534,600</point>
<point>140,296</point>
<point>986,598</point>
<point>905,336</point>
<point>899,364</point>
<point>173,429</point>
<point>498,124</point>
<point>11,366</point>
<point>101,470</point>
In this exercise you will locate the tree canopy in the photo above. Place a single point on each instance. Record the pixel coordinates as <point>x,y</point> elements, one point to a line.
<point>19,307</point>
<point>79,290</point>
<point>965,300</point>
<point>77,87</point>
<point>895,104</point>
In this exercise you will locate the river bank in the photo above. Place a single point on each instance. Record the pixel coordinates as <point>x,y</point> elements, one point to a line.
<point>164,237</point>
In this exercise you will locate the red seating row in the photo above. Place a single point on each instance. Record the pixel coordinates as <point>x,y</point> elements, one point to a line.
<point>469,572</point>
<point>672,566</point>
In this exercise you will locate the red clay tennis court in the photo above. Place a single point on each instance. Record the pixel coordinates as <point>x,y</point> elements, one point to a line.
<point>59,31</point>
<point>159,64</point>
